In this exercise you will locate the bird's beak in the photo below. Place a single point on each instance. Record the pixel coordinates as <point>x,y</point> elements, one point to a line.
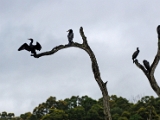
<point>67,31</point>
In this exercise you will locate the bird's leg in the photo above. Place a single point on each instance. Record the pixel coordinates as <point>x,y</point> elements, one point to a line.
<point>136,60</point>
<point>33,53</point>
<point>70,42</point>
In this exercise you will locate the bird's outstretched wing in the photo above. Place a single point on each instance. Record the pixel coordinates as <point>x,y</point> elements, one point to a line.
<point>24,47</point>
<point>38,46</point>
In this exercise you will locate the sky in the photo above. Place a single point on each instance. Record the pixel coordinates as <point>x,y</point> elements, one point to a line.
<point>114,29</point>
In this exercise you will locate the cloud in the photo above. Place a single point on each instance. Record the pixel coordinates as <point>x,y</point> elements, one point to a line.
<point>113,28</point>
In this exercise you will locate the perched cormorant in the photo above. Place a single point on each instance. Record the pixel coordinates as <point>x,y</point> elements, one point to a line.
<point>70,36</point>
<point>158,31</point>
<point>135,54</point>
<point>147,65</point>
<point>31,48</point>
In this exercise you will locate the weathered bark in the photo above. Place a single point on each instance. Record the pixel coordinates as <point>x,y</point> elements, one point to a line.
<point>150,74</point>
<point>95,69</point>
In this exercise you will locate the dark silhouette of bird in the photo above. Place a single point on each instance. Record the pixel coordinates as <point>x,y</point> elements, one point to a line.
<point>147,65</point>
<point>135,54</point>
<point>70,36</point>
<point>31,48</point>
<point>158,31</point>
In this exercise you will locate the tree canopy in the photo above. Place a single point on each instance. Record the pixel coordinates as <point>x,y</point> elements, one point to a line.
<point>87,108</point>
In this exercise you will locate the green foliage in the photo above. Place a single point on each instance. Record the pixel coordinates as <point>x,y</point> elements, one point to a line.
<point>76,113</point>
<point>86,108</point>
<point>115,116</point>
<point>95,113</point>
<point>136,117</point>
<point>4,115</point>
<point>86,102</point>
<point>55,114</point>
<point>28,116</point>
<point>122,118</point>
<point>126,114</point>
<point>116,110</point>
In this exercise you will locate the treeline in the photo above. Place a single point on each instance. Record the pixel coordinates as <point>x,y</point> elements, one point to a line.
<point>86,108</point>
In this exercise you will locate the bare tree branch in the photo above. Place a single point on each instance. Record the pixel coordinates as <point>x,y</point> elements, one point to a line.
<point>142,68</point>
<point>155,62</point>
<point>57,48</point>
<point>95,69</point>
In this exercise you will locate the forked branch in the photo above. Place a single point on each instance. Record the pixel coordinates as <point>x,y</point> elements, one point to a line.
<point>150,74</point>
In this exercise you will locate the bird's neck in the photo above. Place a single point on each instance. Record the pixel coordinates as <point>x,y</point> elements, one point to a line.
<point>31,42</point>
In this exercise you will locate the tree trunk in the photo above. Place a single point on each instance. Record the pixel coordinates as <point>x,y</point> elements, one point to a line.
<point>95,69</point>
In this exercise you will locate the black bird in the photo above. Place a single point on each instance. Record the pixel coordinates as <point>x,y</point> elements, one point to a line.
<point>147,65</point>
<point>70,36</point>
<point>31,48</point>
<point>135,54</point>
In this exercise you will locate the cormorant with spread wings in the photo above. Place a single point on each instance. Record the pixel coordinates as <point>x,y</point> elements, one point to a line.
<point>31,48</point>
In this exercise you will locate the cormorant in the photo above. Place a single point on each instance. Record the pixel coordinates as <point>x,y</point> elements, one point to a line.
<point>135,54</point>
<point>70,36</point>
<point>158,31</point>
<point>31,48</point>
<point>147,65</point>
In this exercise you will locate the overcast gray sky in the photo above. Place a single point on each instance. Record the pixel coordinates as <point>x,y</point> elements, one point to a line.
<point>113,28</point>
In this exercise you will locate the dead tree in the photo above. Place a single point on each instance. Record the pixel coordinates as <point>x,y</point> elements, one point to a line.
<point>95,69</point>
<point>150,73</point>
